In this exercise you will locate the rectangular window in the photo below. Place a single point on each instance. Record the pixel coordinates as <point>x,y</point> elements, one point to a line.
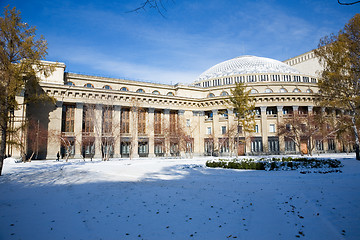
<point>289,145</point>
<point>209,146</point>
<point>331,144</point>
<point>125,148</point>
<point>157,122</point>
<point>208,131</point>
<point>107,119</point>
<point>256,145</point>
<point>239,129</point>
<point>68,117</point>
<point>256,128</point>
<point>159,148</point>
<point>188,122</point>
<point>319,145</point>
<point>223,145</point>
<point>125,120</point>
<point>88,119</point>
<point>143,148</point>
<point>189,145</point>
<point>173,122</point>
<point>142,121</point>
<point>273,144</point>
<point>208,115</point>
<point>272,128</point>
<point>223,130</point>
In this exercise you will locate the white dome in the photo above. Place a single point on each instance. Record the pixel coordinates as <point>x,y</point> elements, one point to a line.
<point>246,65</point>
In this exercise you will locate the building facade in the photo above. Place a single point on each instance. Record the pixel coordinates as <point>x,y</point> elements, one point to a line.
<point>96,116</point>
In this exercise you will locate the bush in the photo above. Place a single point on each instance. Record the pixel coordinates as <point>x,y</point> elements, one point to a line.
<point>276,164</point>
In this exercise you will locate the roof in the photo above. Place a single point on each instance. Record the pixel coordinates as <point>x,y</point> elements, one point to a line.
<point>246,65</point>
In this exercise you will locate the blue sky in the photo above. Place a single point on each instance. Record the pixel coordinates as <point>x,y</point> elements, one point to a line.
<point>102,38</point>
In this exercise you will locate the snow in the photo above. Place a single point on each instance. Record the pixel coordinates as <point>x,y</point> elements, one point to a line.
<point>176,199</point>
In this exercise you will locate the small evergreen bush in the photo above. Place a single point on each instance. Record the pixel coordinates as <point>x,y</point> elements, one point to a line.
<point>276,164</point>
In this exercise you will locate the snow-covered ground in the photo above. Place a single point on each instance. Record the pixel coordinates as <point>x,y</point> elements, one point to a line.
<point>176,199</point>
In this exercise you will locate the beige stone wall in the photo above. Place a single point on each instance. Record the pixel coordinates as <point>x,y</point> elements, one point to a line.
<point>306,63</point>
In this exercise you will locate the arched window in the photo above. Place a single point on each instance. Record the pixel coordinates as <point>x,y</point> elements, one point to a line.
<point>210,95</point>
<point>89,85</point>
<point>268,90</point>
<point>309,90</point>
<point>296,90</point>
<point>170,94</point>
<point>124,89</point>
<point>283,90</point>
<point>140,90</point>
<point>107,87</point>
<point>70,84</point>
<point>156,92</point>
<point>224,93</point>
<point>252,91</point>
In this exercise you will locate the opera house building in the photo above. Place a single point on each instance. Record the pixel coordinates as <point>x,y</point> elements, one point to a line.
<point>95,115</point>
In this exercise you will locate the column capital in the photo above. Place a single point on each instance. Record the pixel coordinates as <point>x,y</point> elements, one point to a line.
<point>279,108</point>
<point>151,110</point>
<point>263,108</point>
<point>181,112</point>
<point>166,111</point>
<point>295,108</point>
<point>215,111</point>
<point>230,111</point>
<point>59,103</point>
<point>79,105</point>
<point>198,113</point>
<point>117,107</point>
<point>310,108</point>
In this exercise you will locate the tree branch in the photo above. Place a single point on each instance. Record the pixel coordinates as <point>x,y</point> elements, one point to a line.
<point>156,4</point>
<point>351,3</point>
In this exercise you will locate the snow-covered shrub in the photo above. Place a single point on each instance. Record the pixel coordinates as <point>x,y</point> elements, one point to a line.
<point>278,164</point>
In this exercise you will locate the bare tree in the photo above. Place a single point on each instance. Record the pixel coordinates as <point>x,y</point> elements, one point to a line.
<point>308,129</point>
<point>158,5</point>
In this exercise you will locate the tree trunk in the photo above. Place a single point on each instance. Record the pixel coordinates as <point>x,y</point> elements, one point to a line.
<point>357,142</point>
<point>4,125</point>
<point>2,146</point>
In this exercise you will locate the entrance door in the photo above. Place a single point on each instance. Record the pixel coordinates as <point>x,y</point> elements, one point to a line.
<point>303,147</point>
<point>241,149</point>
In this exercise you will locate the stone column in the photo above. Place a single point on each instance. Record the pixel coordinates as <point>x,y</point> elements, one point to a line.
<point>198,135</point>
<point>310,110</point>
<point>134,153</point>
<point>201,132</point>
<point>280,119</point>
<point>166,131</point>
<point>216,128</point>
<point>54,145</point>
<point>182,124</point>
<point>151,131</point>
<point>98,130</point>
<point>325,142</point>
<point>78,129</point>
<point>264,128</point>
<point>116,116</point>
<point>231,125</point>
<point>295,109</point>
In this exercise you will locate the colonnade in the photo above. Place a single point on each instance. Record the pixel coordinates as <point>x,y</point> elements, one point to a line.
<point>194,124</point>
